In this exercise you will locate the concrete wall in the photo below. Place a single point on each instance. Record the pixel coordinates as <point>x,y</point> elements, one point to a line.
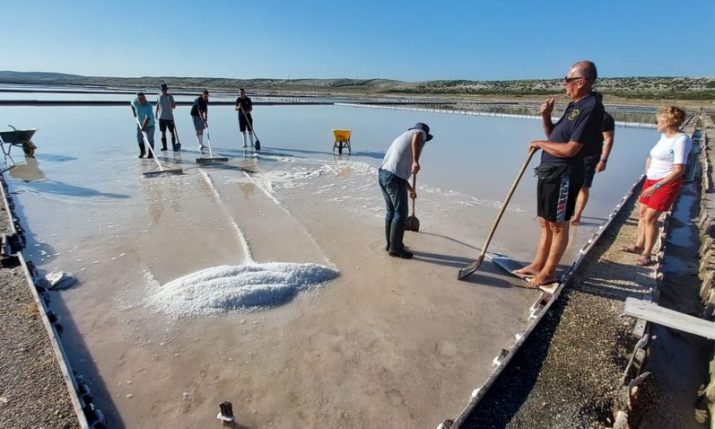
<point>707,248</point>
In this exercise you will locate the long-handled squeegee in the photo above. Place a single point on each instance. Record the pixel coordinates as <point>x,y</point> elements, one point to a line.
<point>211,158</point>
<point>162,170</point>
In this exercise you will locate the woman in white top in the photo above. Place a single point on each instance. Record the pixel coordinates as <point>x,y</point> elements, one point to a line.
<point>664,177</point>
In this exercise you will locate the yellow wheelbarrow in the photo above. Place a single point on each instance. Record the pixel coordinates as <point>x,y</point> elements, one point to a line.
<point>342,140</point>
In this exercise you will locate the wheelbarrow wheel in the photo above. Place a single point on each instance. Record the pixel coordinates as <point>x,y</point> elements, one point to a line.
<point>29,148</point>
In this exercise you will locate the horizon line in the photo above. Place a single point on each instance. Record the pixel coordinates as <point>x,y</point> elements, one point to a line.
<point>346,78</point>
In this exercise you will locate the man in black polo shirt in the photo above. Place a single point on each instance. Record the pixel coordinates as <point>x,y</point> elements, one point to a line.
<point>200,116</point>
<point>594,161</point>
<point>561,170</point>
<point>244,107</point>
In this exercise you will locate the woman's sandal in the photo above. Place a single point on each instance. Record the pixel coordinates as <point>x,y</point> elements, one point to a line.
<point>632,249</point>
<point>643,261</point>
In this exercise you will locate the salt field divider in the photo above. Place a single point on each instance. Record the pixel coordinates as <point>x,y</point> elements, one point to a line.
<point>474,113</point>
<point>241,238</point>
<point>268,101</point>
<point>60,356</point>
<point>636,372</point>
<point>285,210</point>
<point>537,312</point>
<point>178,103</point>
<point>79,393</point>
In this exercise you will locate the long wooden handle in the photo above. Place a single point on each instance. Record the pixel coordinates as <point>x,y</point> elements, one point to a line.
<point>506,202</point>
<point>414,183</point>
<point>145,137</point>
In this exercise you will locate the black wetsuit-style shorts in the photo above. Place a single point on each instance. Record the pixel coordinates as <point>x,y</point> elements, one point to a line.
<point>242,121</point>
<point>556,194</point>
<point>166,123</point>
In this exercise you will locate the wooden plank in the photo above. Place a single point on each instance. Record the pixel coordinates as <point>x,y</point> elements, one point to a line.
<point>654,313</point>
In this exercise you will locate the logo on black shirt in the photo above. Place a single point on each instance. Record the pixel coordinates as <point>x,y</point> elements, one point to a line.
<point>574,114</point>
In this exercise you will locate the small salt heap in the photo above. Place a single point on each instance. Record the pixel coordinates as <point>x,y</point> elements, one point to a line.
<point>234,287</point>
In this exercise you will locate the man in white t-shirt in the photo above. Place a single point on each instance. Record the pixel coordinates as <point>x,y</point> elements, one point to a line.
<point>401,161</point>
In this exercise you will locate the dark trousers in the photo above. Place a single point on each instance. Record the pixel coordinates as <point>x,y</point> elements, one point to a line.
<point>394,189</point>
<point>163,125</point>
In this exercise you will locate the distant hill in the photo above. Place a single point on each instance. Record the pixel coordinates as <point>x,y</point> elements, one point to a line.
<point>9,76</point>
<point>684,88</point>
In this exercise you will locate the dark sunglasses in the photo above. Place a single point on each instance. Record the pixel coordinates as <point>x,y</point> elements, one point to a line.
<point>571,79</point>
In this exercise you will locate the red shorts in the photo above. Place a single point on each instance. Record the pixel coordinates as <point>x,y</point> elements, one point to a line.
<point>663,197</point>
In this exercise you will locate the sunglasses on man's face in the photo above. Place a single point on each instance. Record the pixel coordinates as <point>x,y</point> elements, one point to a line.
<point>571,79</point>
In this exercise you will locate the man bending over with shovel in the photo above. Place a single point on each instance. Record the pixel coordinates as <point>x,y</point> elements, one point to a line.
<point>141,109</point>
<point>562,169</point>
<point>400,162</point>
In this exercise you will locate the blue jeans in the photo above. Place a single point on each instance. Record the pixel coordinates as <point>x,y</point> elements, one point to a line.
<point>149,136</point>
<point>394,189</point>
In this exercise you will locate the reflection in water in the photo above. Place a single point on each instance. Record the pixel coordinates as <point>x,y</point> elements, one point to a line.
<point>248,189</point>
<point>249,164</point>
<point>28,171</point>
<point>157,192</point>
<point>54,158</point>
<point>35,178</point>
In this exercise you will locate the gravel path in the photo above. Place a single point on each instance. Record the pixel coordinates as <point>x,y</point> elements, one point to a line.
<point>33,393</point>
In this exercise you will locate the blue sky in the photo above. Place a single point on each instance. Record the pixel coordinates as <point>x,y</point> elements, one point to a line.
<point>406,40</point>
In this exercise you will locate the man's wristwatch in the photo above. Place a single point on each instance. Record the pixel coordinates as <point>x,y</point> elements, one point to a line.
<point>604,160</point>
<point>657,186</point>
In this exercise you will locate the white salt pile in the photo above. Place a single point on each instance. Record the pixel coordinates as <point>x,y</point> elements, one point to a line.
<point>232,287</point>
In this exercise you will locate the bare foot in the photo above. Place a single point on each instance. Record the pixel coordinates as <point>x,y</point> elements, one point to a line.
<point>541,279</point>
<point>644,260</point>
<point>528,270</point>
<point>632,249</point>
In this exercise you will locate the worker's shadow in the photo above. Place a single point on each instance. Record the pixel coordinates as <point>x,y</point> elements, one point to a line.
<point>487,275</point>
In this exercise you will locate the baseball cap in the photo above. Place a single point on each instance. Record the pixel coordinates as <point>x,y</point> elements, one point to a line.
<point>424,127</point>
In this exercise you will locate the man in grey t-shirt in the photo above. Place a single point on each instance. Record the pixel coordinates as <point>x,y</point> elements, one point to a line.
<point>165,106</point>
<point>401,161</point>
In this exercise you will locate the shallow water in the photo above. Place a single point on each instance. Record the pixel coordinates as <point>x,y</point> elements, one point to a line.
<point>472,160</point>
<point>346,353</point>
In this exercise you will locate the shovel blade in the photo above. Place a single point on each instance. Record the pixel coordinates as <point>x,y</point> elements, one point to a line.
<point>412,224</point>
<point>467,270</point>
